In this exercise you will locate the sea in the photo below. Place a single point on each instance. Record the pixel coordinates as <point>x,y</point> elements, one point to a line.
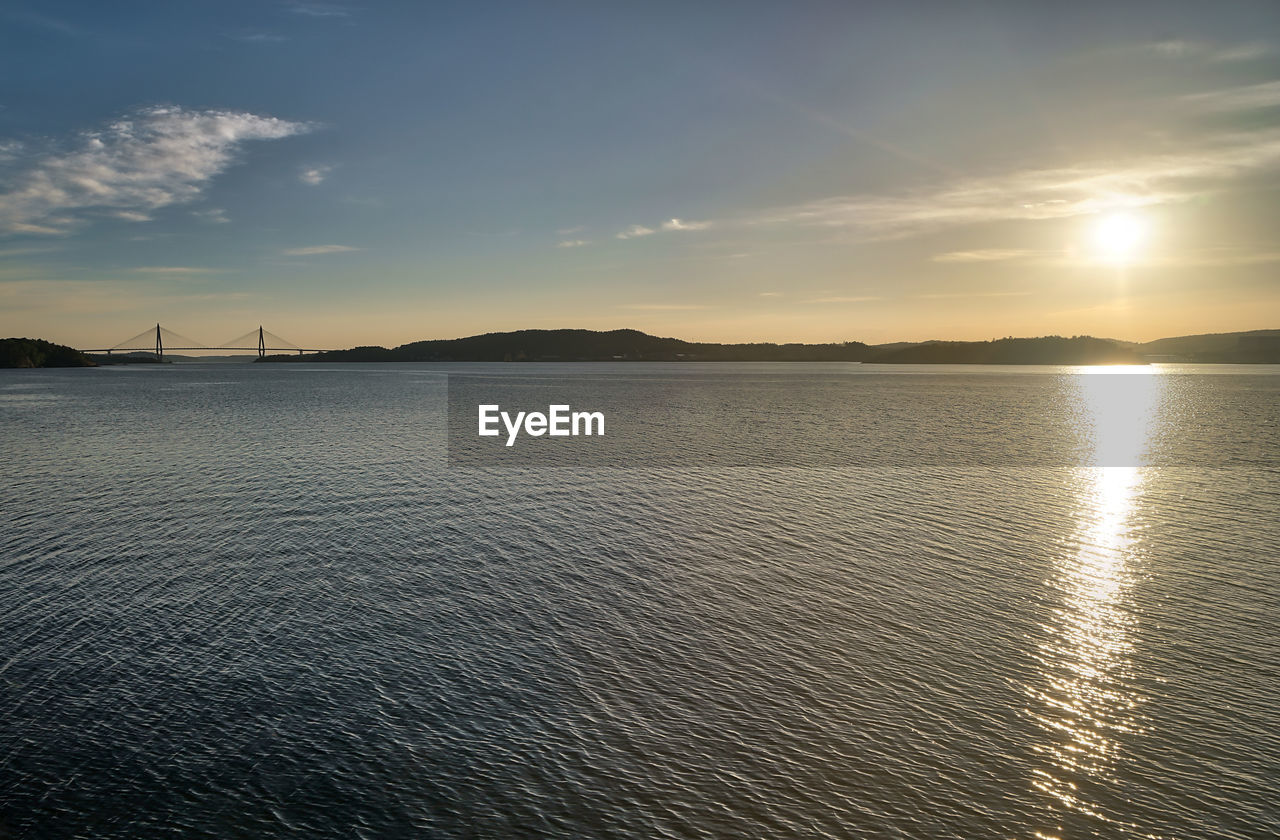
<point>772,600</point>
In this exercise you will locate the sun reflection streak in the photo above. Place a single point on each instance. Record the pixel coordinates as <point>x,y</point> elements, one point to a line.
<point>1085,701</point>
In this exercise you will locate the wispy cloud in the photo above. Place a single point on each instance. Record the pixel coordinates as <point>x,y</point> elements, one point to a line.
<point>175,269</point>
<point>679,224</point>
<point>841,299</point>
<point>954,295</point>
<point>155,158</point>
<point>571,230</point>
<point>1038,194</point>
<point>1243,52</point>
<point>24,252</point>
<point>319,10</point>
<point>572,243</point>
<point>214,215</point>
<point>1192,160</point>
<point>669,226</point>
<point>316,250</point>
<point>1211,258</point>
<point>771,294</point>
<point>983,255</point>
<point>258,38</point>
<point>1243,98</point>
<point>662,307</point>
<point>1205,51</point>
<point>43,22</point>
<point>97,297</point>
<point>314,175</point>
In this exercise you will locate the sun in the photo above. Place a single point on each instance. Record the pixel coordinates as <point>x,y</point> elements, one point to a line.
<point>1118,237</point>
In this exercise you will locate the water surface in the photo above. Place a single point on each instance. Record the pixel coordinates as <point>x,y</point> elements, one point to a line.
<point>259,601</point>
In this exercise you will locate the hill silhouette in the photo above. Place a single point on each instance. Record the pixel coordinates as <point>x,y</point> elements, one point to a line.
<point>1049,350</point>
<point>574,345</point>
<point>37,353</point>
<point>633,345</point>
<point>1253,346</point>
<point>587,346</point>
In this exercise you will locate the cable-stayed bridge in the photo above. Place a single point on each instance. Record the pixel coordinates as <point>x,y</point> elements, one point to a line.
<point>159,339</point>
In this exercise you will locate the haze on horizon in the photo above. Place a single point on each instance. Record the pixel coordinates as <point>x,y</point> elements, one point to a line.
<point>380,173</point>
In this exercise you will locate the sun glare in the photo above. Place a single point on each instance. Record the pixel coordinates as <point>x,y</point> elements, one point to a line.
<point>1119,237</point>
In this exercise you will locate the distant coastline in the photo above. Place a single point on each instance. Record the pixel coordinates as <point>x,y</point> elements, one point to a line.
<point>1258,346</point>
<point>1252,347</point>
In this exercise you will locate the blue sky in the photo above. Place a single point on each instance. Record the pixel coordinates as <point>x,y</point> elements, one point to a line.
<point>384,172</point>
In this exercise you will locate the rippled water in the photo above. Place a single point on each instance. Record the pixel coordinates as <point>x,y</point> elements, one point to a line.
<point>257,601</point>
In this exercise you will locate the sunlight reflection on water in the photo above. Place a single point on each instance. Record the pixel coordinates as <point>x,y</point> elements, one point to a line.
<point>1086,702</point>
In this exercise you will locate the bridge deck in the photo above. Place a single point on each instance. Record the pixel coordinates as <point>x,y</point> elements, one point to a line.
<point>167,349</point>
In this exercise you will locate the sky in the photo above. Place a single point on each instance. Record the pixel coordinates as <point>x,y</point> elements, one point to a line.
<point>384,172</point>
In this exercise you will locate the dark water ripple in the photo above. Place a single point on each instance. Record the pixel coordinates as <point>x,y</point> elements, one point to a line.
<point>254,603</point>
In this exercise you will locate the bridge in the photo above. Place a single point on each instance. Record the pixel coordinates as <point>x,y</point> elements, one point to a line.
<point>160,338</point>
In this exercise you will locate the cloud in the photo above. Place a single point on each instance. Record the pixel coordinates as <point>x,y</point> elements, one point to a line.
<point>573,243</point>
<point>23,252</point>
<point>1039,194</point>
<point>1210,258</point>
<point>986,255</point>
<point>771,294</point>
<point>1179,48</point>
<point>44,22</point>
<point>316,250</point>
<point>662,307</point>
<point>1190,161</point>
<point>1244,98</point>
<point>318,10</point>
<point>155,158</point>
<point>668,226</point>
<point>314,175</point>
<point>571,230</point>
<point>1244,52</point>
<point>861,299</point>
<point>678,224</point>
<point>259,38</point>
<point>214,215</point>
<point>175,269</point>
<point>952,295</point>
<point>96,297</point>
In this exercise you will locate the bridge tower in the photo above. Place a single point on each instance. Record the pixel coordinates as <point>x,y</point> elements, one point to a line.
<point>262,344</point>
<point>159,345</point>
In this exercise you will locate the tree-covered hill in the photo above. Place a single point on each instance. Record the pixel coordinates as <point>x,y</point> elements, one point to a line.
<point>35,353</point>
<point>1048,350</point>
<point>588,346</point>
<point>636,346</point>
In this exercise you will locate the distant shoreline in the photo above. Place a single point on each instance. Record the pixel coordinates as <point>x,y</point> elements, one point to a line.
<point>1256,347</point>
<point>1252,347</point>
